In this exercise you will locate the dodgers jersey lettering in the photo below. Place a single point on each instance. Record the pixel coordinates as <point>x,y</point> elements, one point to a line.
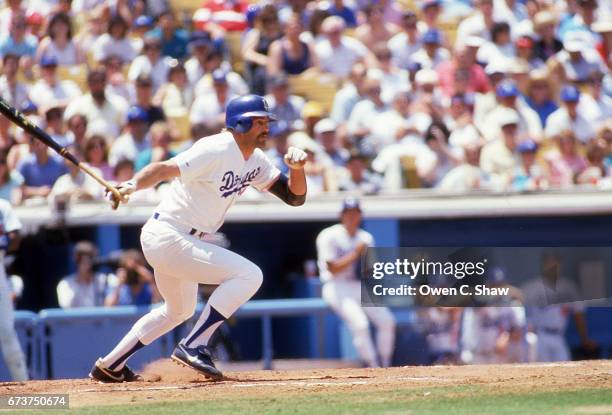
<point>213,174</point>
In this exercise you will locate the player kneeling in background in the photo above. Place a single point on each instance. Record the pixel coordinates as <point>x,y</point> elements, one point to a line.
<point>206,180</point>
<point>339,249</point>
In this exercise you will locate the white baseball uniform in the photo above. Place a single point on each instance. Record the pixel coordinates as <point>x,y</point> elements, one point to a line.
<point>548,310</point>
<point>342,291</point>
<point>213,173</point>
<point>11,349</point>
<point>481,328</point>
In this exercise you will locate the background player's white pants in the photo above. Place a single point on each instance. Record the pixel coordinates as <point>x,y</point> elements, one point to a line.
<point>181,262</point>
<point>552,348</point>
<point>344,297</point>
<point>9,343</point>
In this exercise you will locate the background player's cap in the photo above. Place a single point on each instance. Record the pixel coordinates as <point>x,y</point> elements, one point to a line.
<point>351,203</point>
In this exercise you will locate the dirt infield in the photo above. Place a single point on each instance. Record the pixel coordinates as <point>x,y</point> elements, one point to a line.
<point>169,382</point>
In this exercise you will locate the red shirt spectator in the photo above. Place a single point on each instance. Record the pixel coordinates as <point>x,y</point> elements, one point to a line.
<point>462,69</point>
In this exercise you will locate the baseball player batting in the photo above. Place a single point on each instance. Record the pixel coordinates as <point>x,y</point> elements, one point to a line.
<point>205,182</point>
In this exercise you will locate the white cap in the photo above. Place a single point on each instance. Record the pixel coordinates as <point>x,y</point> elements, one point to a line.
<point>507,116</point>
<point>602,26</point>
<point>576,40</point>
<point>324,126</point>
<point>426,76</point>
<point>466,138</point>
<point>497,66</point>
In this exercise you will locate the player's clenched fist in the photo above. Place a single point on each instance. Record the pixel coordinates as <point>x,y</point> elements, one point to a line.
<point>125,188</point>
<point>295,158</point>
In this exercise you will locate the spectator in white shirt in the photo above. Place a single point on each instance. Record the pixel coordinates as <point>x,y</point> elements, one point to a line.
<point>105,112</point>
<point>404,45</point>
<point>595,104</point>
<point>500,46</point>
<point>114,42</point>
<point>209,109</point>
<point>134,140</point>
<point>338,53</point>
<point>214,60</point>
<point>151,62</point>
<point>479,24</point>
<point>578,58</point>
<point>569,117</point>
<point>12,90</point>
<point>431,54</point>
<point>284,105</point>
<point>49,89</point>
<point>467,175</point>
<point>200,44</point>
<point>508,98</point>
<point>84,288</point>
<point>359,125</point>
<point>392,78</point>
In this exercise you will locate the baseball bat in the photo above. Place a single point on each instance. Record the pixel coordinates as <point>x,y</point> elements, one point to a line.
<point>35,131</point>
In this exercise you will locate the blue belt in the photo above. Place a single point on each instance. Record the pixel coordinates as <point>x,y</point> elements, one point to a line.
<point>192,232</point>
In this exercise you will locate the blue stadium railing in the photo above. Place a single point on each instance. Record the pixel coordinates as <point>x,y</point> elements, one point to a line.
<point>64,343</point>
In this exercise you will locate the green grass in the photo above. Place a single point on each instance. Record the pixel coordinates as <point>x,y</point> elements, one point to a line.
<point>423,401</point>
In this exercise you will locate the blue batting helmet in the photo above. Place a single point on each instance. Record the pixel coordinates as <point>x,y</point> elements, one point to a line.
<point>240,112</point>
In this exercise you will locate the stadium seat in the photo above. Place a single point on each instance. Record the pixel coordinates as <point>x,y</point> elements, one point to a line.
<point>234,43</point>
<point>411,179</point>
<point>185,6</point>
<point>315,87</point>
<point>74,73</point>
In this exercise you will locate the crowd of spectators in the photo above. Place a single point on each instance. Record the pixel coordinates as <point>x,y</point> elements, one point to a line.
<point>457,95</point>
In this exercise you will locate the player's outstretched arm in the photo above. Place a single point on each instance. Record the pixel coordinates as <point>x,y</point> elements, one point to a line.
<point>149,177</point>
<point>292,189</point>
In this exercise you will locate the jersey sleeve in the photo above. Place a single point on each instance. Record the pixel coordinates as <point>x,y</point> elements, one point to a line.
<point>267,175</point>
<point>197,161</point>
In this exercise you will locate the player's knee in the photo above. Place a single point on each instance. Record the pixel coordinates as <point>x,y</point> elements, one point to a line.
<point>254,278</point>
<point>180,313</point>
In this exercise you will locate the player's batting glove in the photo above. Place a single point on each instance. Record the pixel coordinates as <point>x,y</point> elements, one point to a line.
<point>295,158</point>
<point>125,188</point>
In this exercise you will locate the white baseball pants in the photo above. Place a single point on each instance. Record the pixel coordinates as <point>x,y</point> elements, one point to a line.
<point>344,297</point>
<point>9,343</point>
<point>181,261</point>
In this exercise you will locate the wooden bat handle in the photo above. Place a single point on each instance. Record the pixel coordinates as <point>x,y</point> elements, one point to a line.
<point>104,183</point>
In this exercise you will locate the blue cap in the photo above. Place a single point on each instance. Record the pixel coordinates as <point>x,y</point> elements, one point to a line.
<point>527,146</point>
<point>200,39</point>
<point>219,76</point>
<point>137,113</point>
<point>29,106</point>
<point>569,93</point>
<point>432,36</point>
<point>46,61</point>
<point>507,88</point>
<point>143,21</point>
<point>351,203</point>
<point>279,128</point>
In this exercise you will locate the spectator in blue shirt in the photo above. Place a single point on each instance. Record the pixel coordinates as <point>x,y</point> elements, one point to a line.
<point>174,39</point>
<point>338,8</point>
<point>18,42</point>
<point>40,170</point>
<point>136,284</point>
<point>539,95</point>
